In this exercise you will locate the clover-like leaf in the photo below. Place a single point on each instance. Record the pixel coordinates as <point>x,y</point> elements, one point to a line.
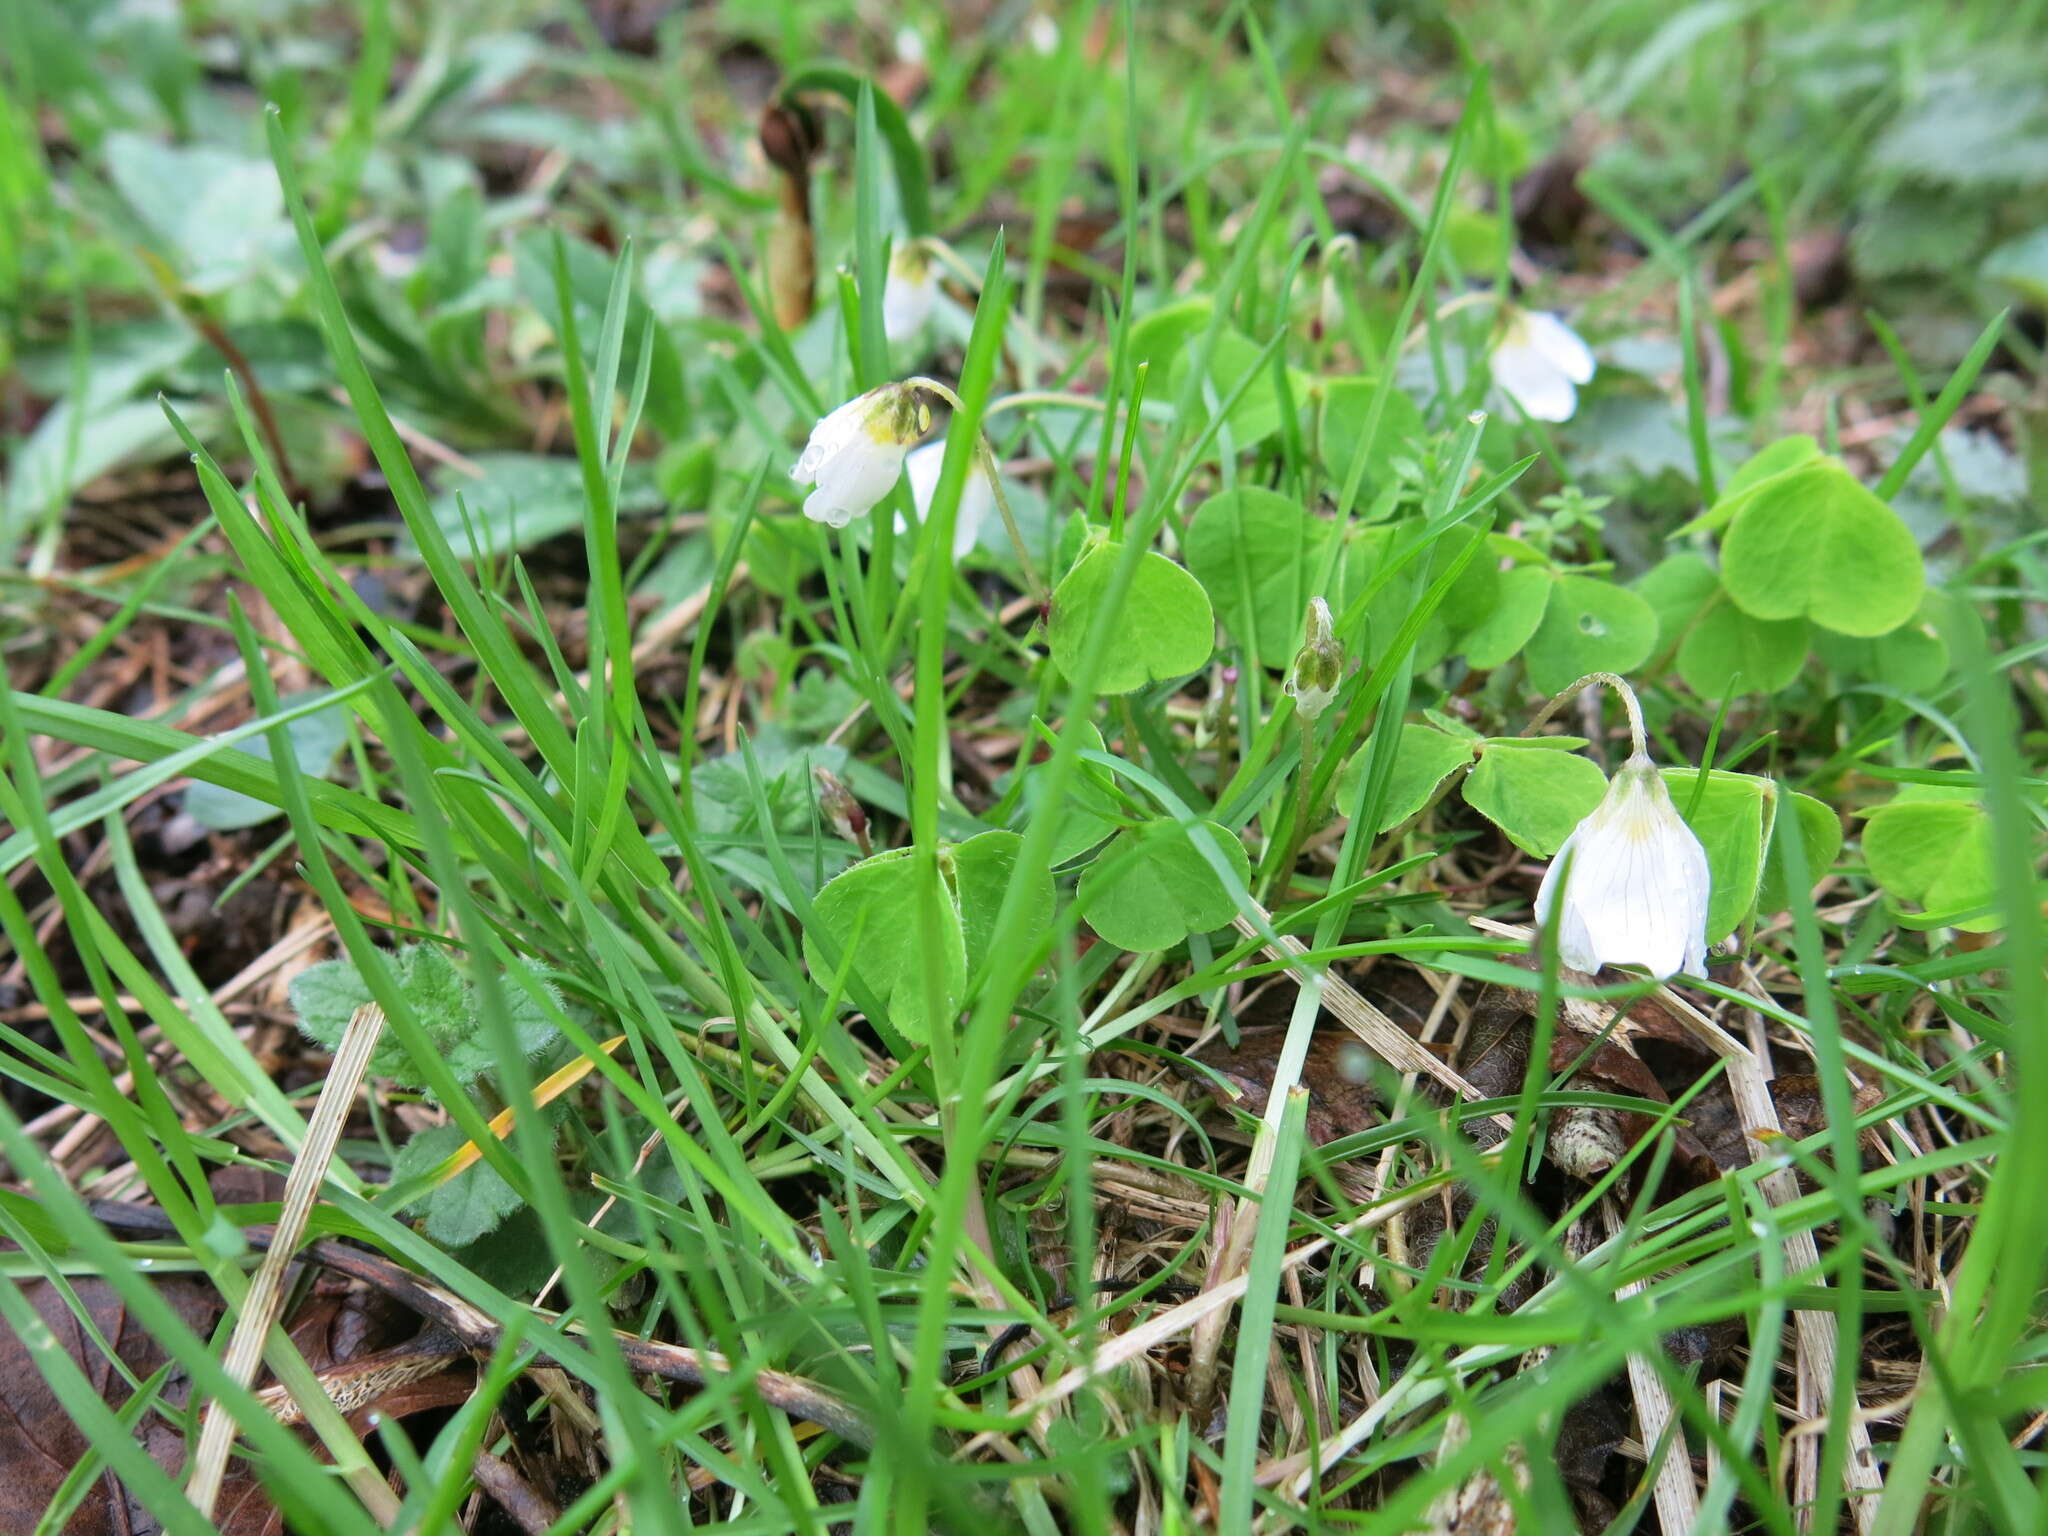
<point>1152,887</point>
<point>1520,597</point>
<point>1813,543</point>
<point>1934,851</point>
<point>1423,760</point>
<point>1727,815</point>
<point>1820,832</point>
<point>1589,625</point>
<point>1165,627</point>
<point>909,954</point>
<point>1533,793</point>
<point>1726,651</point>
<point>1255,551</point>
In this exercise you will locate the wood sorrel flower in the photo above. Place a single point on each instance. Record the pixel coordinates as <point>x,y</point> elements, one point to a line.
<point>1318,666</point>
<point>908,295</point>
<point>856,453</point>
<point>977,496</point>
<point>1540,361</point>
<point>1636,889</point>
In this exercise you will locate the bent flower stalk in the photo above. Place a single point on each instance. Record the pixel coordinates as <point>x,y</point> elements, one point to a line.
<point>856,453</point>
<point>1636,889</point>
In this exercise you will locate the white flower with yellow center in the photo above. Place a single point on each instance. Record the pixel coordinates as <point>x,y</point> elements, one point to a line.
<point>977,496</point>
<point>1540,361</point>
<point>856,453</point>
<point>1636,886</point>
<point>911,290</point>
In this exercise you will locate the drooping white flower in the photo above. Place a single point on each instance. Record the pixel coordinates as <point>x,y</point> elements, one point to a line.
<point>977,496</point>
<point>1318,667</point>
<point>856,453</point>
<point>908,295</point>
<point>1541,362</point>
<point>1637,887</point>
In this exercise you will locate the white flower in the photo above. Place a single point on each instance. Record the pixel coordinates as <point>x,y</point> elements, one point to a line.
<point>977,496</point>
<point>1540,360</point>
<point>1043,33</point>
<point>909,293</point>
<point>856,453</point>
<point>1636,892</point>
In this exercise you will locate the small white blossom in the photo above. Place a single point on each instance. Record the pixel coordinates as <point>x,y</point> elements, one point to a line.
<point>1637,889</point>
<point>1540,361</point>
<point>856,453</point>
<point>908,295</point>
<point>977,496</point>
<point>1043,33</point>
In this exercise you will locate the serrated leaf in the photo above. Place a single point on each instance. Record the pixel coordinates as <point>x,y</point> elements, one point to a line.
<point>461,1210</point>
<point>1165,627</point>
<point>1152,887</point>
<point>1726,651</point>
<point>1589,625</point>
<point>1255,552</point>
<point>1816,544</point>
<point>877,921</point>
<point>1533,795</point>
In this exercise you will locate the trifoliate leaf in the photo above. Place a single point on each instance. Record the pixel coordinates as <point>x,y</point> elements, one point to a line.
<point>908,953</point>
<point>1588,625</point>
<point>1821,833</point>
<point>1164,626</point>
<point>1423,760</point>
<point>982,869</point>
<point>1913,658</point>
<point>1726,652</point>
<point>1815,544</point>
<point>1936,853</point>
<point>1535,796</point>
<point>1519,600</point>
<point>1256,552</point>
<point>1152,887</point>
<point>1677,588</point>
<point>1727,816</point>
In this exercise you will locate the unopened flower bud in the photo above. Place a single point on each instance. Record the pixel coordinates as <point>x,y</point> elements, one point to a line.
<point>1318,666</point>
<point>856,453</point>
<point>840,809</point>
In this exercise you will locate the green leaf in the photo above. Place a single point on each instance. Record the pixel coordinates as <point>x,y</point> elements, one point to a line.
<point>1820,830</point>
<point>1677,588</point>
<point>1535,795</point>
<point>879,928</point>
<point>1158,338</point>
<point>1346,404</point>
<point>218,213</point>
<point>317,740</point>
<point>1781,457</point>
<point>467,1206</point>
<point>2022,265</point>
<point>1089,813</point>
<point>1913,658</point>
<point>524,499</point>
<point>1726,651</point>
<point>1814,543</point>
<point>1423,760</point>
<point>1935,852</point>
<point>1520,598</point>
<point>1165,627</point>
<point>1256,551</point>
<point>590,285</point>
<point>1729,822</point>
<point>1256,415</point>
<point>982,868</point>
<point>1589,625</point>
<point>1152,887</point>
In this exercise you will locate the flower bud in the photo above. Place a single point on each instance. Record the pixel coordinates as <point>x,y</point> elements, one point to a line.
<point>1318,666</point>
<point>841,811</point>
<point>856,453</point>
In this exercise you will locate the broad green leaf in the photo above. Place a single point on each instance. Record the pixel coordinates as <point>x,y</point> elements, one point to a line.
<point>1536,796</point>
<point>1344,406</point>
<point>1677,588</point>
<point>1913,658</point>
<point>1164,626</point>
<point>219,214</point>
<point>882,933</point>
<point>1423,760</point>
<point>1519,600</point>
<point>1729,822</point>
<point>524,499</point>
<point>1256,415</point>
<point>981,874</point>
<point>464,1208</point>
<point>1726,651</point>
<point>1588,625</point>
<point>1814,543</point>
<point>1781,457</point>
<point>1256,552</point>
<point>2022,265</point>
<point>1158,338</point>
<point>1936,853</point>
<point>1089,812</point>
<point>1152,887</point>
<point>1820,830</point>
<point>317,740</point>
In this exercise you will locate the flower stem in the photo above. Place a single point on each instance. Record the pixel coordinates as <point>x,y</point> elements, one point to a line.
<point>1638,738</point>
<point>995,484</point>
<point>1303,781</point>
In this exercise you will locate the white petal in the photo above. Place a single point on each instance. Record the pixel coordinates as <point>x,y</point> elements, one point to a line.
<point>1561,345</point>
<point>907,302</point>
<point>853,480</point>
<point>1534,381</point>
<point>830,437</point>
<point>977,497</point>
